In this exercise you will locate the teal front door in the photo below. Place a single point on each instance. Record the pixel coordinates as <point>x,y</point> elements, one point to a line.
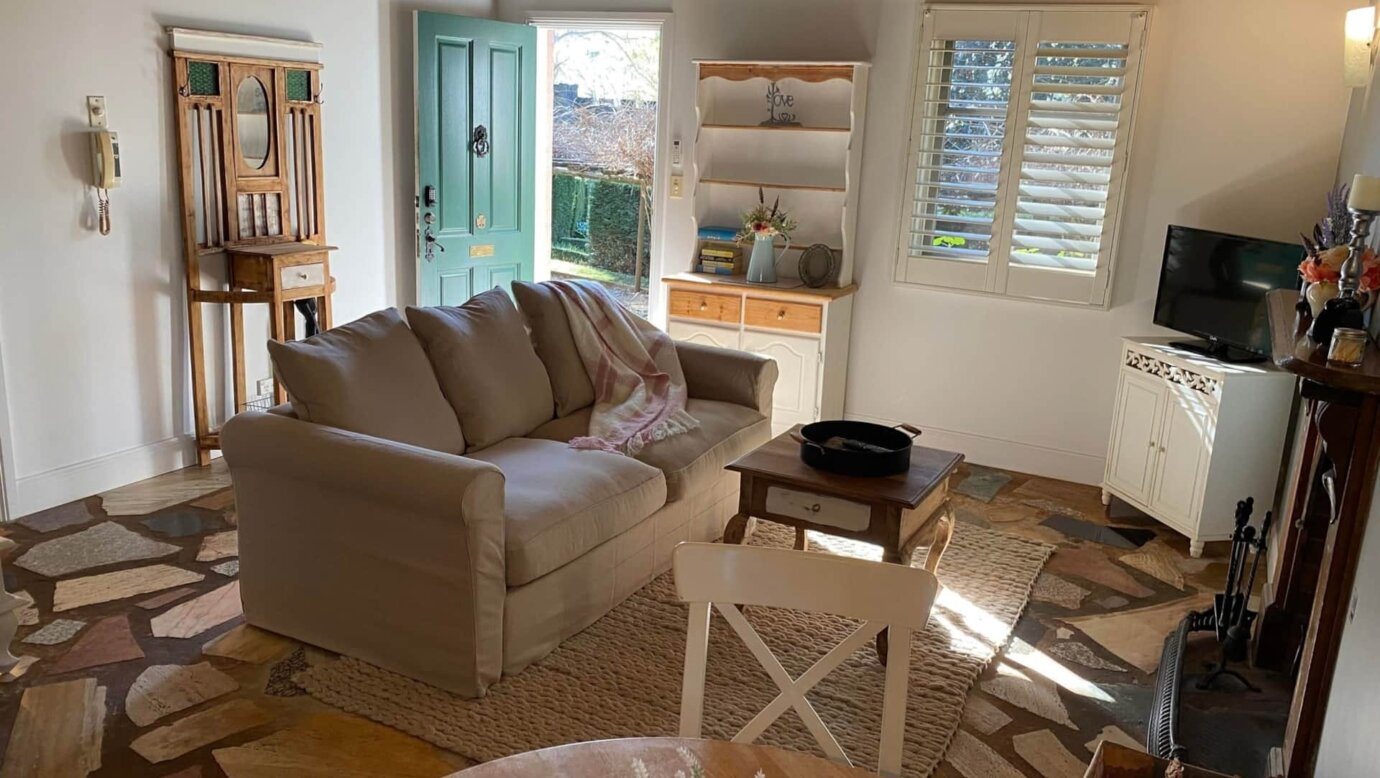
<point>476,141</point>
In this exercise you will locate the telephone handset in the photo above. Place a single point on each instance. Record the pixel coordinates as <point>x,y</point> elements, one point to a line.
<point>105,164</point>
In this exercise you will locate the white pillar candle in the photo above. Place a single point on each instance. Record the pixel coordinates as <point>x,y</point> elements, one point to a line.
<point>1365,194</point>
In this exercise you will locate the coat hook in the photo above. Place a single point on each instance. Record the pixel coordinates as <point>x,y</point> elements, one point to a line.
<point>184,91</point>
<point>319,89</point>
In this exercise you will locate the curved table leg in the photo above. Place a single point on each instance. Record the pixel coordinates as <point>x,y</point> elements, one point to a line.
<point>943,533</point>
<point>736,529</point>
<point>800,542</point>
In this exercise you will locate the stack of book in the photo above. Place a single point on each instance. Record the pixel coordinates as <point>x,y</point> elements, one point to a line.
<point>719,261</point>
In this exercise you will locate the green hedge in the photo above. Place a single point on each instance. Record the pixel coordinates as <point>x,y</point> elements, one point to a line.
<point>611,238</point>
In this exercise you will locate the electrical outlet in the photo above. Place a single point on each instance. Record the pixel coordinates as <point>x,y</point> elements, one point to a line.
<point>677,187</point>
<point>264,386</point>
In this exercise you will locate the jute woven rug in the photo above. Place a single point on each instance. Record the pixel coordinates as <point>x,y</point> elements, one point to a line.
<point>621,677</point>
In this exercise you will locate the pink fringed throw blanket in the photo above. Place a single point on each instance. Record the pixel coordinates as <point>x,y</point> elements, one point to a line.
<point>639,389</point>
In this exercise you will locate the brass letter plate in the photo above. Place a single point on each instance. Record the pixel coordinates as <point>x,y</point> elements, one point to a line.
<point>483,250</point>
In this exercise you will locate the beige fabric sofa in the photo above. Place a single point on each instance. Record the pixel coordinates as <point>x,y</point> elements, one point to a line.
<point>456,568</point>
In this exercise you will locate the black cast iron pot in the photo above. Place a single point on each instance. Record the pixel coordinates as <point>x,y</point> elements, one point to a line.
<point>856,447</point>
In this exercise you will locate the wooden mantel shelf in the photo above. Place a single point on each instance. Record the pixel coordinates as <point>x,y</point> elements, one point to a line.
<point>1293,350</point>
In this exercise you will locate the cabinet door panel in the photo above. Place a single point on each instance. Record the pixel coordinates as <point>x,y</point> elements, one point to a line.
<point>1185,441</point>
<point>1135,429</point>
<point>723,337</point>
<point>797,388</point>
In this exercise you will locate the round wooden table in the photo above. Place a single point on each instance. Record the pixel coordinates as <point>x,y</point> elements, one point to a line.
<point>662,756</point>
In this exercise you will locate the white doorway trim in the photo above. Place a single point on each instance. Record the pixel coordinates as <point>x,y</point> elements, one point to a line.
<point>6,452</point>
<point>613,20</point>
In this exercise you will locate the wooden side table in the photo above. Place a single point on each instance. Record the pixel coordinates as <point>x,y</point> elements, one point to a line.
<point>287,272</point>
<point>898,513</point>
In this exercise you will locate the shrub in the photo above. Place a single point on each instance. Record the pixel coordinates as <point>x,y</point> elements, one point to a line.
<point>613,226</point>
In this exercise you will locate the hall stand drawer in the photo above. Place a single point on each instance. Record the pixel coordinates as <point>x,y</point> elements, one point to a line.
<point>818,509</point>
<point>776,314</point>
<point>710,307</point>
<point>298,276</point>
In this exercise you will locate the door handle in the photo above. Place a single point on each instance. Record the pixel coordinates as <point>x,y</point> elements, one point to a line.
<point>431,244</point>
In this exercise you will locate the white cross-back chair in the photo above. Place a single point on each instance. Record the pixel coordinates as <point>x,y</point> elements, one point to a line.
<point>883,595</point>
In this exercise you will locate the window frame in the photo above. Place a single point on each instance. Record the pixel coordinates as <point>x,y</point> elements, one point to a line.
<point>994,276</point>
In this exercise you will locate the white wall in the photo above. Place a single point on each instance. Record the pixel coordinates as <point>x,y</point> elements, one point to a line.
<point>97,383</point>
<point>1349,746</point>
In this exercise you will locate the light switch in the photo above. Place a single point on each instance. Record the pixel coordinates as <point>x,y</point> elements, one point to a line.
<point>675,153</point>
<point>677,187</point>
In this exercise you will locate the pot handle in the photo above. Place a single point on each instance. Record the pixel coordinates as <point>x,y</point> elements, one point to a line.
<point>798,438</point>
<point>904,427</point>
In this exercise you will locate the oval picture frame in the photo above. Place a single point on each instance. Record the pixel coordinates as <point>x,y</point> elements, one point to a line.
<point>819,266</point>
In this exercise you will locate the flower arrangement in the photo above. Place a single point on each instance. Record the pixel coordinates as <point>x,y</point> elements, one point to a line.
<point>761,221</point>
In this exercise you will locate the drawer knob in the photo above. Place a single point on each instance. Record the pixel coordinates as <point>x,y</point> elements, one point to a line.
<point>302,276</point>
<point>704,305</point>
<point>781,314</point>
<point>814,508</point>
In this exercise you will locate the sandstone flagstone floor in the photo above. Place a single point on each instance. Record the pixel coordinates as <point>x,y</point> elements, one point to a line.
<point>139,662</point>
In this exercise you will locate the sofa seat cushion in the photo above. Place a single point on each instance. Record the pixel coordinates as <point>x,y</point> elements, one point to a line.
<point>693,460</point>
<point>560,502</point>
<point>370,376</point>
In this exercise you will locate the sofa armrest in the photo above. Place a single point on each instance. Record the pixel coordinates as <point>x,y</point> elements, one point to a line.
<point>728,375</point>
<point>377,550</point>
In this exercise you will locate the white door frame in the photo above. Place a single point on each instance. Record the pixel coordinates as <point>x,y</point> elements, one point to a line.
<point>6,464</point>
<point>611,20</point>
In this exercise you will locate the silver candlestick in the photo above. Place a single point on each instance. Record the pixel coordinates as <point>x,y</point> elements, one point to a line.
<point>1350,282</point>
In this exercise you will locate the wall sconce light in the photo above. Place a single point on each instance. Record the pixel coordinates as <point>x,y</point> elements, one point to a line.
<point>1360,48</point>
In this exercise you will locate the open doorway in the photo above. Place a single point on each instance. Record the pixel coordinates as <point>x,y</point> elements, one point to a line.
<point>601,117</point>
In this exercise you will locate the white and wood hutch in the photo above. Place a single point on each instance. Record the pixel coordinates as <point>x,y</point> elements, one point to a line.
<point>813,166</point>
<point>1193,435</point>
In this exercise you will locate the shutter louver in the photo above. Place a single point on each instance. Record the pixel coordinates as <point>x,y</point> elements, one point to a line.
<point>962,135</point>
<point>1074,115</point>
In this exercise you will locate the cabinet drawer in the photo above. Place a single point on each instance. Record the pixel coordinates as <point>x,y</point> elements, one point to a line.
<point>818,509</point>
<point>798,317</point>
<point>711,307</point>
<point>298,276</point>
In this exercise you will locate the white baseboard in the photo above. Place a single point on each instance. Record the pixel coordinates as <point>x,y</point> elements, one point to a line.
<point>1009,454</point>
<point>40,491</point>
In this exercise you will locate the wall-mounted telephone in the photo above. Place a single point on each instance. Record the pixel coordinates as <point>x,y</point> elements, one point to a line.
<point>105,159</point>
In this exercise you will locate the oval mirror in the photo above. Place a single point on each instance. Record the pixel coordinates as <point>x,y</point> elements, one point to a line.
<point>251,107</point>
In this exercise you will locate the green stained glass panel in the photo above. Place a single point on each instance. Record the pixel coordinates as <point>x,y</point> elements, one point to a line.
<point>298,85</point>
<point>203,78</point>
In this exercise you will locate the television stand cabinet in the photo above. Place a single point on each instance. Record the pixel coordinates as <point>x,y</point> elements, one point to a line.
<point>1192,435</point>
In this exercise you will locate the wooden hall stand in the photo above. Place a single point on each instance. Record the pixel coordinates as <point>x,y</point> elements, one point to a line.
<point>249,152</point>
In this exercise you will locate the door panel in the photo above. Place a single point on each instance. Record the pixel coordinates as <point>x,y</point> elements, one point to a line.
<point>1130,463</point>
<point>722,337</point>
<point>797,387</point>
<point>1184,442</point>
<point>473,74</point>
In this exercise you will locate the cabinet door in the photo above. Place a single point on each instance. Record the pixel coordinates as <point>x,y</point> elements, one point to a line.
<point>723,337</point>
<point>797,388</point>
<point>1185,442</point>
<point>1130,463</point>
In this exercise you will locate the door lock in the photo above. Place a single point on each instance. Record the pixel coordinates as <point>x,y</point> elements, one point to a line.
<point>432,244</point>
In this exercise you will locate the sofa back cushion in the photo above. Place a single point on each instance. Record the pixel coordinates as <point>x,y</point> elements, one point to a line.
<point>487,367</point>
<point>369,376</point>
<point>555,345</point>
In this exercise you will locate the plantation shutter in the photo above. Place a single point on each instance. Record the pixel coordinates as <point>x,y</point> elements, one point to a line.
<point>1019,140</point>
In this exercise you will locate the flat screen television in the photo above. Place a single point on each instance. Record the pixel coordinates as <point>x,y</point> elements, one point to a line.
<point>1213,285</point>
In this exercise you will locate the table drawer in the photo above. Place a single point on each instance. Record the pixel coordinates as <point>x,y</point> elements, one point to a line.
<point>298,276</point>
<point>818,509</point>
<point>799,317</point>
<point>710,307</point>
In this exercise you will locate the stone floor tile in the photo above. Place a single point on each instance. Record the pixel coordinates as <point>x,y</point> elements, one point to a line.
<point>162,690</point>
<point>79,592</point>
<point>1086,500</point>
<point>166,598</point>
<point>1090,564</point>
<point>280,683</point>
<point>1080,654</point>
<point>55,632</point>
<point>983,717</point>
<point>1050,506</point>
<point>248,644</point>
<point>181,522</point>
<point>199,729</point>
<point>104,544</point>
<point>1116,735</point>
<point>230,569</point>
<point>220,501</point>
<point>1113,602</point>
<point>107,642</point>
<point>26,614</point>
<point>1117,537</point>
<point>1051,588</point>
<point>166,490</point>
<point>334,745</point>
<point>1138,635</point>
<point>1157,561</point>
<point>974,759</point>
<point>982,483</point>
<point>1030,692</point>
<point>1043,751</point>
<point>58,731</point>
<point>194,617</point>
<point>219,546</point>
<point>69,515</point>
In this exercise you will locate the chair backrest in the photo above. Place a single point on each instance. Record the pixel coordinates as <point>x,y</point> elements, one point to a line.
<point>883,595</point>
